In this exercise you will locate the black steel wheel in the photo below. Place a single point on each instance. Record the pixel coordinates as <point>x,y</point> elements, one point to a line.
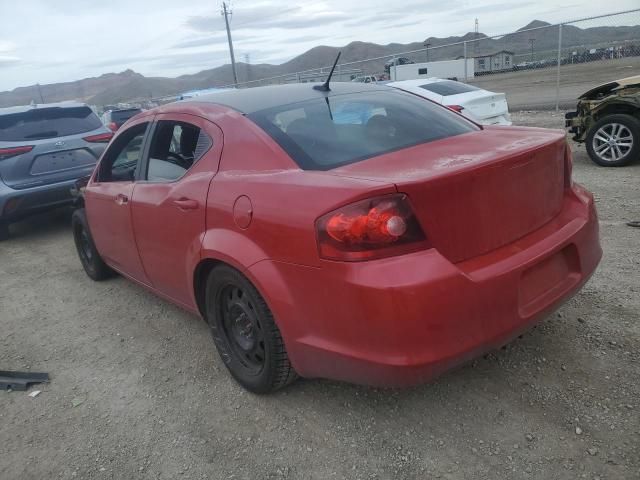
<point>90,259</point>
<point>244,331</point>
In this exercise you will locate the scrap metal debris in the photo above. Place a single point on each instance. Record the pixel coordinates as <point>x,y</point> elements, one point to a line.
<point>21,380</point>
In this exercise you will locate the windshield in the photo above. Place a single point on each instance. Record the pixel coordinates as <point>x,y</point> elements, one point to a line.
<point>41,123</point>
<point>325,133</point>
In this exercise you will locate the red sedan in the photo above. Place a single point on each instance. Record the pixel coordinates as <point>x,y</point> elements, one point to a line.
<point>360,234</point>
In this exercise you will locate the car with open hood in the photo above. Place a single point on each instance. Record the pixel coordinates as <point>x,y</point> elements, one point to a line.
<point>607,121</point>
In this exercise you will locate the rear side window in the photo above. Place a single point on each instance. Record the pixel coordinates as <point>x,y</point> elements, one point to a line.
<point>175,148</point>
<point>41,123</point>
<point>121,116</point>
<point>449,87</point>
<point>326,133</point>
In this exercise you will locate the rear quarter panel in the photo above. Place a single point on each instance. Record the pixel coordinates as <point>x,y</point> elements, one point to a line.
<point>284,200</point>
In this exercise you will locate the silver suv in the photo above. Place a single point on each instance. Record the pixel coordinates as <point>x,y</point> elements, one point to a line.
<point>44,149</point>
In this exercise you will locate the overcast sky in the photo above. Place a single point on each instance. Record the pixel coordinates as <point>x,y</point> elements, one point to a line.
<point>46,41</point>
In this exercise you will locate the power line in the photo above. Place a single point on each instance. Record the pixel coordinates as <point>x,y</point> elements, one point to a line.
<point>226,12</point>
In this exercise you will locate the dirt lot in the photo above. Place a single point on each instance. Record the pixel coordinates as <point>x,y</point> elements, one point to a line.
<point>138,391</point>
<point>536,89</point>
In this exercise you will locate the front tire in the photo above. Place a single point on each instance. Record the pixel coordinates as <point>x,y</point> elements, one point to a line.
<point>91,260</point>
<point>614,140</point>
<point>244,331</point>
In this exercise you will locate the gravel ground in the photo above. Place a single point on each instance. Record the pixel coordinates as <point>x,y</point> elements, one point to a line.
<point>138,391</point>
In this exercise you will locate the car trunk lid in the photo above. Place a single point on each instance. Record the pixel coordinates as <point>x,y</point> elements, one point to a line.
<point>478,191</point>
<point>49,161</point>
<point>480,105</point>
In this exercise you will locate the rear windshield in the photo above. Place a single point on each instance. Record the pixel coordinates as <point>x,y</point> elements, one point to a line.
<point>448,87</point>
<point>41,123</point>
<point>124,115</point>
<point>329,132</point>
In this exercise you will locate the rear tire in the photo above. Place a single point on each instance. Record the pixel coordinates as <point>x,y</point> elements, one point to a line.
<point>244,331</point>
<point>614,140</point>
<point>91,261</point>
<point>4,231</point>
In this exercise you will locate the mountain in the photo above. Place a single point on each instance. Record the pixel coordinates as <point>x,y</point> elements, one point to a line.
<point>112,88</point>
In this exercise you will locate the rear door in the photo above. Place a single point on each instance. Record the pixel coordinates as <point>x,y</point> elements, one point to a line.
<point>169,201</point>
<point>56,143</point>
<point>108,200</point>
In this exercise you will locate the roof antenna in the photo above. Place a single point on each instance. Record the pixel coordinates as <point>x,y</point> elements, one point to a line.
<point>325,86</point>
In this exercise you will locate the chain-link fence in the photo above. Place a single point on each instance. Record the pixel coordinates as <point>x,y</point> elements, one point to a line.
<point>539,66</point>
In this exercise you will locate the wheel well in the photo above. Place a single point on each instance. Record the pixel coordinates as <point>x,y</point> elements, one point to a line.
<point>200,281</point>
<point>617,109</point>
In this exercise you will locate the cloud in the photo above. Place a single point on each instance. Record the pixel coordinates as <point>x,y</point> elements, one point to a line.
<point>380,18</point>
<point>303,38</point>
<point>270,17</point>
<point>8,61</point>
<point>202,41</point>
<point>497,7</point>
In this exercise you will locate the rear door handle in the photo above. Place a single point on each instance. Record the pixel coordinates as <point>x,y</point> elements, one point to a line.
<point>122,199</point>
<point>186,204</point>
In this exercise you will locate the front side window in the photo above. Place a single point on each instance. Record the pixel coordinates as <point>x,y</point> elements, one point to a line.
<point>175,148</point>
<point>325,133</point>
<point>122,159</point>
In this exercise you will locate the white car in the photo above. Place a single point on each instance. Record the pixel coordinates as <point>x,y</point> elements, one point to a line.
<point>481,106</point>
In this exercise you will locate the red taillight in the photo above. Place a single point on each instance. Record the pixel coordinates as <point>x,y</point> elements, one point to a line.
<point>372,228</point>
<point>113,126</point>
<point>455,108</point>
<point>99,138</point>
<point>13,151</point>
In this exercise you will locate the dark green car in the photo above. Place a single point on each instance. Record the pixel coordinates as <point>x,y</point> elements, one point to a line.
<point>607,120</point>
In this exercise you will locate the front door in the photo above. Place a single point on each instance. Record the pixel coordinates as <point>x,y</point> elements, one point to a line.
<point>108,202</point>
<point>169,201</point>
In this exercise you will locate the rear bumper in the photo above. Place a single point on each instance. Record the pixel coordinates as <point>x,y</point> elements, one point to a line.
<point>403,320</point>
<point>17,204</point>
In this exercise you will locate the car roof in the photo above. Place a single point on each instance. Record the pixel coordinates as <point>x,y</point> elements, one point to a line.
<point>249,100</point>
<point>36,106</point>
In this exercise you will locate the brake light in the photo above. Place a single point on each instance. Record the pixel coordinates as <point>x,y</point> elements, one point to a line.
<point>455,108</point>
<point>373,228</point>
<point>14,151</point>
<point>113,126</point>
<point>99,138</point>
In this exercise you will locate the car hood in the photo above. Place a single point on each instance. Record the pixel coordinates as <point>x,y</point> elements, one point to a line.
<point>610,87</point>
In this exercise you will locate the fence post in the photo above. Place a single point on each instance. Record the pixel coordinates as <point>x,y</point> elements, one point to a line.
<point>558,68</point>
<point>466,76</point>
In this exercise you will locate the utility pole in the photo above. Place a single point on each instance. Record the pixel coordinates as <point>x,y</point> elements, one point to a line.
<point>476,31</point>
<point>40,93</point>
<point>247,61</point>
<point>531,42</point>
<point>226,14</point>
<point>426,44</point>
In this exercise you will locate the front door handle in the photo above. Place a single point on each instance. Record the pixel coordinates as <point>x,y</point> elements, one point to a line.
<point>186,204</point>
<point>122,199</point>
